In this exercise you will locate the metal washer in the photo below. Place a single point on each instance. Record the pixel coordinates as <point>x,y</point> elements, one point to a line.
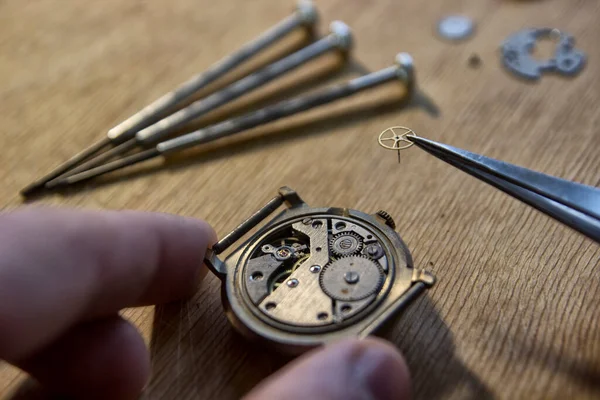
<point>516,54</point>
<point>456,27</point>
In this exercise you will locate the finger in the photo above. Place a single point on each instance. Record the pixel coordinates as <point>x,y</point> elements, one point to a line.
<point>59,266</point>
<point>354,369</point>
<point>102,359</point>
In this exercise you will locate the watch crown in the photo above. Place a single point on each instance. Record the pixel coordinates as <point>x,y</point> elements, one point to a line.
<point>389,221</point>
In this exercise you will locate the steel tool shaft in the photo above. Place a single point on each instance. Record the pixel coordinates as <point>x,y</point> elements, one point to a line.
<point>340,39</point>
<point>571,203</point>
<point>305,15</point>
<point>403,70</point>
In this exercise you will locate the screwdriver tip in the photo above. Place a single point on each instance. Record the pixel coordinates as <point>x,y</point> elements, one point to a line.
<point>56,183</point>
<point>33,189</point>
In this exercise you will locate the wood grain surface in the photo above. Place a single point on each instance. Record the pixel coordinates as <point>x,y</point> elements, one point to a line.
<point>514,314</point>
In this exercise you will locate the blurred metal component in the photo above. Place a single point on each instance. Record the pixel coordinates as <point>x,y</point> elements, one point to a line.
<point>305,16</point>
<point>340,39</point>
<point>474,61</point>
<point>280,110</point>
<point>517,54</point>
<point>574,204</point>
<point>456,27</point>
<point>402,71</point>
<point>297,304</point>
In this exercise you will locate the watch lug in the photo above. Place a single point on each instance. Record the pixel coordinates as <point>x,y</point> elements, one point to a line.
<point>248,224</point>
<point>421,275</point>
<point>291,198</point>
<point>215,264</point>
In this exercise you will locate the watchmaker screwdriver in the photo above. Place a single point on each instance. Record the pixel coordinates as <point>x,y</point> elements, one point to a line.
<point>305,16</point>
<point>339,39</point>
<point>403,70</point>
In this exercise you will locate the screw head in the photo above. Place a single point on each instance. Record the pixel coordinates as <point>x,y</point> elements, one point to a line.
<point>351,277</point>
<point>292,282</point>
<point>283,252</point>
<point>315,268</point>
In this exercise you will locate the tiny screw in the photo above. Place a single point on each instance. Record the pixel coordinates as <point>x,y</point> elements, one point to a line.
<point>283,252</point>
<point>351,277</point>
<point>306,221</point>
<point>315,268</point>
<point>474,61</point>
<point>293,283</point>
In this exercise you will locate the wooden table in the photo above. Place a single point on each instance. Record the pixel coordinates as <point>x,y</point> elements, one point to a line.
<point>514,314</point>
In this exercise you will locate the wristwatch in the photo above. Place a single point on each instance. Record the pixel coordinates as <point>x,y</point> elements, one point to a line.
<point>310,276</point>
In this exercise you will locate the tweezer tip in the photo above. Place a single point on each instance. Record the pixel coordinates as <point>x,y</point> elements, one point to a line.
<point>417,139</point>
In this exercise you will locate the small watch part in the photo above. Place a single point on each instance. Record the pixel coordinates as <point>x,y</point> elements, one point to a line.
<point>456,27</point>
<point>352,278</point>
<point>517,58</point>
<point>474,60</point>
<point>346,243</point>
<point>313,275</point>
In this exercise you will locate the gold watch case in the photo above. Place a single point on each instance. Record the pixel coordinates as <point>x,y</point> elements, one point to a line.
<point>310,276</point>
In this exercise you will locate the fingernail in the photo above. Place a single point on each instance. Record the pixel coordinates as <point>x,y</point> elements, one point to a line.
<point>383,373</point>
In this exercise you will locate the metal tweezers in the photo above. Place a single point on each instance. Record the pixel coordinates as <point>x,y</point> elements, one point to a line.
<point>574,204</point>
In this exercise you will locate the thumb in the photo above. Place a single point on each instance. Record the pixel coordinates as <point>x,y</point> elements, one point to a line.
<point>352,369</point>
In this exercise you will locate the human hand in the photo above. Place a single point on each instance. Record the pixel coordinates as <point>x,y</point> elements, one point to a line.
<point>65,274</point>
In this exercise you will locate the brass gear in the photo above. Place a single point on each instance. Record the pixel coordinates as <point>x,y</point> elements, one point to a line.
<point>346,243</point>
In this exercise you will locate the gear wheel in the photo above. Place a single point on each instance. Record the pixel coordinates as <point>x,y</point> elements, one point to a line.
<point>351,278</point>
<point>346,243</point>
<point>389,221</point>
